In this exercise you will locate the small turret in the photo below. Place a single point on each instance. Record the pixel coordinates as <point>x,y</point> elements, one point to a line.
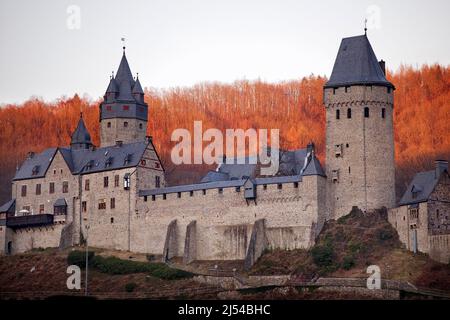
<point>81,139</point>
<point>137,92</point>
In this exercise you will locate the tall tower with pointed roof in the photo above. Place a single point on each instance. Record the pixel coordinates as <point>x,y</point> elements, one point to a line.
<point>359,131</point>
<point>123,112</point>
<point>81,139</point>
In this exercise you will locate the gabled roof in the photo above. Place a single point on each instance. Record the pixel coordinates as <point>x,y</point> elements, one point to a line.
<point>42,160</point>
<point>355,64</point>
<point>9,206</point>
<point>313,168</point>
<point>421,187</point>
<point>102,159</point>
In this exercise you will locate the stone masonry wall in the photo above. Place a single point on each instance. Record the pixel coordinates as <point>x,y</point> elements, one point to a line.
<point>366,164</point>
<point>224,220</point>
<point>118,132</point>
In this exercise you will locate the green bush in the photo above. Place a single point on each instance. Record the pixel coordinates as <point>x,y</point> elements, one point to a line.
<point>130,286</point>
<point>323,255</point>
<point>348,262</point>
<point>78,258</point>
<point>386,233</point>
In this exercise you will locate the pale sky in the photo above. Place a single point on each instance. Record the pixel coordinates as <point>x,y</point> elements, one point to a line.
<point>179,43</point>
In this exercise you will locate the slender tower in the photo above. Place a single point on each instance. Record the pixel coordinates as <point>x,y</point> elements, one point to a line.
<point>123,112</point>
<point>359,131</point>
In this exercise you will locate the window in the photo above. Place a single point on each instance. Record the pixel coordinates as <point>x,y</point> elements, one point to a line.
<point>191,193</point>
<point>105,182</point>
<point>347,89</point>
<point>125,124</point>
<point>109,125</point>
<point>84,206</point>
<point>388,90</point>
<point>86,185</point>
<point>116,180</point>
<point>54,171</point>
<point>102,204</point>
<point>179,194</point>
<point>204,191</point>
<point>338,116</point>
<point>126,181</point>
<point>383,113</point>
<point>126,108</point>
<point>349,171</point>
<point>60,210</point>
<point>41,209</point>
<point>24,191</point>
<point>65,187</point>
<point>220,190</point>
<point>140,125</point>
<point>113,203</point>
<point>279,186</point>
<point>347,145</point>
<point>145,198</point>
<point>112,220</point>
<point>238,189</point>
<point>366,112</point>
<point>51,187</point>
<point>38,189</point>
<point>265,187</point>
<point>157,182</point>
<point>334,90</point>
<point>153,197</point>
<point>164,196</point>
<point>349,113</point>
<point>295,184</point>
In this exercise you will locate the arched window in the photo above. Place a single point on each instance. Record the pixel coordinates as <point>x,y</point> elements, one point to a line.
<point>338,114</point>
<point>366,112</point>
<point>349,113</point>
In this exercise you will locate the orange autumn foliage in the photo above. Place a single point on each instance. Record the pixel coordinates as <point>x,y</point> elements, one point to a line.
<point>421,119</point>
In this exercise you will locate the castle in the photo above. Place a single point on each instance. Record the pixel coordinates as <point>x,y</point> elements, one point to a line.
<point>116,197</point>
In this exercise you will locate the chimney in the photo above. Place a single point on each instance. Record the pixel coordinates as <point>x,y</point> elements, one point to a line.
<point>383,66</point>
<point>441,166</point>
<point>119,143</point>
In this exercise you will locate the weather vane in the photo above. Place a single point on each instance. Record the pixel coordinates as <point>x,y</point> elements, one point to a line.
<point>123,43</point>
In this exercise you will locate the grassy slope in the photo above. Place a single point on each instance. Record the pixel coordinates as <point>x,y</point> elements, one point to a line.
<point>346,247</point>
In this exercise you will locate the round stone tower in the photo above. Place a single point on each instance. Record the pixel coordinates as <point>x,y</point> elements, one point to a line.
<point>359,100</point>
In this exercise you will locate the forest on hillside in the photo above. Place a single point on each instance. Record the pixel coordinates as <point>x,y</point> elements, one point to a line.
<point>421,119</point>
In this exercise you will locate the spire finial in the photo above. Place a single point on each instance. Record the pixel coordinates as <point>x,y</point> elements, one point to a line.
<point>123,44</point>
<point>137,75</point>
<point>365,26</point>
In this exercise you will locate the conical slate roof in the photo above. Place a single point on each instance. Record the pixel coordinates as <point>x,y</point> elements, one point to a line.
<point>137,87</point>
<point>81,134</point>
<point>355,64</point>
<point>112,87</point>
<point>125,91</point>
<point>124,72</point>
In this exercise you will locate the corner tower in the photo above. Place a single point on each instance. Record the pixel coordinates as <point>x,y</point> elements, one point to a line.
<point>359,131</point>
<point>123,112</point>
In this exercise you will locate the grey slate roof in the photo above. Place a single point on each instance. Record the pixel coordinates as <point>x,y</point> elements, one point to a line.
<point>124,72</point>
<point>42,160</point>
<point>314,168</point>
<point>77,159</point>
<point>356,63</point>
<point>9,206</point>
<point>137,87</point>
<point>112,87</point>
<point>81,134</point>
<point>61,202</point>
<point>212,176</point>
<point>423,183</point>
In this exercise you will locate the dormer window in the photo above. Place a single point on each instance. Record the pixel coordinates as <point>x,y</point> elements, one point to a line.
<point>35,170</point>
<point>89,165</point>
<point>127,159</point>
<point>108,162</point>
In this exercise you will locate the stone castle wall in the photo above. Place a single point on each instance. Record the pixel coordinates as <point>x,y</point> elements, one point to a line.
<point>224,220</point>
<point>365,167</point>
